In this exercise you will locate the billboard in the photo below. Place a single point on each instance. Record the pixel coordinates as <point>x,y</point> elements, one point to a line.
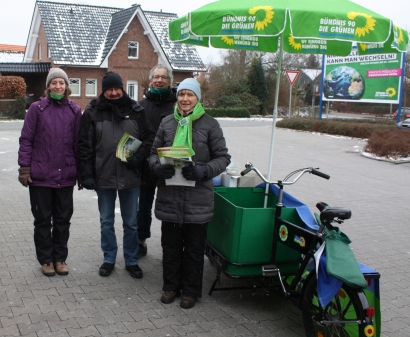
<point>374,78</point>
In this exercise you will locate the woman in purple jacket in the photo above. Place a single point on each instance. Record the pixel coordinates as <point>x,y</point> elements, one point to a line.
<point>48,166</point>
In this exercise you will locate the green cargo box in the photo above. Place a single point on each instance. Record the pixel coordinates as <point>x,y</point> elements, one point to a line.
<point>242,231</point>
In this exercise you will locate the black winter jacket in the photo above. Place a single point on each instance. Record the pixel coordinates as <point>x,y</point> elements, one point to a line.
<point>102,126</point>
<point>182,204</point>
<point>156,106</point>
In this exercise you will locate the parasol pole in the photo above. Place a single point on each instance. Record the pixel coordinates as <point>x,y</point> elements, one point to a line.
<point>275,114</point>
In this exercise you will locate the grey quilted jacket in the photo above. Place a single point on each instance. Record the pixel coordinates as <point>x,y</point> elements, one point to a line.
<point>182,204</point>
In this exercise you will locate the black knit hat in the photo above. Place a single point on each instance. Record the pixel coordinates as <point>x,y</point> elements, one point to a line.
<point>111,80</point>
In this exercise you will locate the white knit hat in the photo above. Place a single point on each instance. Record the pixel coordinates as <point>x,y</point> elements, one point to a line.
<point>56,73</point>
<point>190,84</point>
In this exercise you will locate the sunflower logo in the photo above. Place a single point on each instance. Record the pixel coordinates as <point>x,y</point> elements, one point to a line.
<point>229,41</point>
<point>264,16</point>
<point>398,34</point>
<point>369,331</point>
<point>367,27</point>
<point>391,92</point>
<point>363,46</point>
<point>294,44</point>
<point>283,232</point>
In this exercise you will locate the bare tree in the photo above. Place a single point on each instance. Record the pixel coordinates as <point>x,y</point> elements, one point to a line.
<point>143,79</point>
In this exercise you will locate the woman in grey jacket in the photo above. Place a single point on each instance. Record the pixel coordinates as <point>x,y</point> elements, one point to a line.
<point>185,211</point>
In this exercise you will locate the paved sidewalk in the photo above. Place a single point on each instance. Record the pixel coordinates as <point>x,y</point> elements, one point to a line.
<point>85,304</point>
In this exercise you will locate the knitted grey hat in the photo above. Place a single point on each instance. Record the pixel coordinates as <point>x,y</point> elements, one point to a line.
<point>190,84</point>
<point>56,73</point>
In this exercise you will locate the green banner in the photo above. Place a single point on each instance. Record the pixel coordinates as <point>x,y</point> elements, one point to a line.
<point>315,26</point>
<point>254,43</point>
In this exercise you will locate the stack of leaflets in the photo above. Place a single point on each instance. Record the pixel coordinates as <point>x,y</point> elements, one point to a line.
<point>180,157</point>
<point>127,146</point>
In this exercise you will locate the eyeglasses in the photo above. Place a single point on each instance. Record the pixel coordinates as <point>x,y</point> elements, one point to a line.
<point>163,77</point>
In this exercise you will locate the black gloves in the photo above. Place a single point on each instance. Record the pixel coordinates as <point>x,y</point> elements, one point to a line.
<point>133,161</point>
<point>196,173</point>
<point>89,184</point>
<point>163,171</point>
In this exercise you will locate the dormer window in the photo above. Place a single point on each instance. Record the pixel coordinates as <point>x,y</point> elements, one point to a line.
<point>39,51</point>
<point>133,50</point>
<point>48,51</point>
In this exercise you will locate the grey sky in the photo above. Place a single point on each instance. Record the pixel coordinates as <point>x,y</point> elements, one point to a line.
<point>16,15</point>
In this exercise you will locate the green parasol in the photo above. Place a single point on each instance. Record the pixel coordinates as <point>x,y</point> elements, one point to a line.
<point>328,27</point>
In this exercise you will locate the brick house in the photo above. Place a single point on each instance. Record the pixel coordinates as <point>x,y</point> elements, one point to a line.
<point>87,41</point>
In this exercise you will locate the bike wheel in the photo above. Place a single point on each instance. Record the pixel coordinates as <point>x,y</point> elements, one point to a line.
<point>342,317</point>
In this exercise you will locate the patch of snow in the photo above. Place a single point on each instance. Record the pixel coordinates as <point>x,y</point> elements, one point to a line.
<point>6,57</point>
<point>400,160</point>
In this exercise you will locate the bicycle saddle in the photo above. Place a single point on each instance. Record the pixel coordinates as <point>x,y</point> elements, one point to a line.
<point>328,212</point>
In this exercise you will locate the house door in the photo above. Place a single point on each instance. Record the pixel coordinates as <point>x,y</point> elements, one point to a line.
<point>132,89</point>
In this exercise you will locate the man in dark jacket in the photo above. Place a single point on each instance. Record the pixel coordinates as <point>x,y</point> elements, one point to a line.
<point>159,102</point>
<point>103,123</point>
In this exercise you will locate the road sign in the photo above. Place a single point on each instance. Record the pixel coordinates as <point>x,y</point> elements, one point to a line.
<point>292,75</point>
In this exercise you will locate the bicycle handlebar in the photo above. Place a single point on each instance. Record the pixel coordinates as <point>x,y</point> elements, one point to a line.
<point>249,167</point>
<point>320,174</point>
<point>247,170</point>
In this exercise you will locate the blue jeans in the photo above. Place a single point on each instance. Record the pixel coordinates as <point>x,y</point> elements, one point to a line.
<point>106,205</point>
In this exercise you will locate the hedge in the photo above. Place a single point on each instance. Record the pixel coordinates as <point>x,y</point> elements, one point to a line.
<point>228,112</point>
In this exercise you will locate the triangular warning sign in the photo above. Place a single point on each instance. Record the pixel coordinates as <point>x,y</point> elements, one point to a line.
<point>292,75</point>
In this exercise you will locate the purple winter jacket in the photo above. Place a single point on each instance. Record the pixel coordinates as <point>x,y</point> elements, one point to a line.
<point>49,142</point>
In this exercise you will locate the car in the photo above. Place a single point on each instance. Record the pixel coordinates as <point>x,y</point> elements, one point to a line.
<point>29,99</point>
<point>405,125</point>
<point>404,111</point>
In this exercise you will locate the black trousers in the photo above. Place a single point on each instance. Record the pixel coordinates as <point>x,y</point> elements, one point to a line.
<point>183,247</point>
<point>52,209</point>
<point>144,214</point>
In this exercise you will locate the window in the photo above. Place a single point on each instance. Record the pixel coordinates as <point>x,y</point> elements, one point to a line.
<point>90,87</point>
<point>39,51</point>
<point>132,89</point>
<point>75,86</point>
<point>132,49</point>
<point>48,51</point>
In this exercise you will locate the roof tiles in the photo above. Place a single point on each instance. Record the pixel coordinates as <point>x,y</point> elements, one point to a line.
<point>38,67</point>
<point>84,35</point>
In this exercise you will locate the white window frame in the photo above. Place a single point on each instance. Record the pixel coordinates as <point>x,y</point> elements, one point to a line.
<point>72,85</point>
<point>129,91</point>
<point>48,51</point>
<point>133,45</point>
<point>39,51</point>
<point>87,85</point>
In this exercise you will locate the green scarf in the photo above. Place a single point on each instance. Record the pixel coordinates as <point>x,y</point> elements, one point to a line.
<point>158,91</point>
<point>56,96</point>
<point>183,136</point>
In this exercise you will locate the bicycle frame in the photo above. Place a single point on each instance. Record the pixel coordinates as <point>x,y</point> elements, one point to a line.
<point>304,241</point>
